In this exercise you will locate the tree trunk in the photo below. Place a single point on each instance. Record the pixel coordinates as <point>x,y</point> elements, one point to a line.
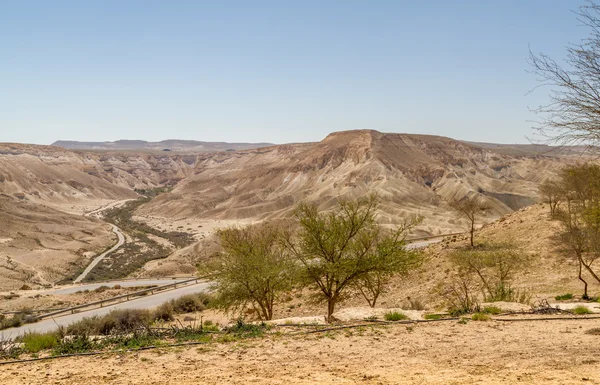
<point>330,309</point>
<point>585,285</point>
<point>472,232</point>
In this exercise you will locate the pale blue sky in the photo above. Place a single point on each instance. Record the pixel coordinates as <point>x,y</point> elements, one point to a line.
<point>276,71</point>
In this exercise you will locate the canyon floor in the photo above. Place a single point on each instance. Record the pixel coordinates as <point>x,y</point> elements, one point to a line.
<point>447,352</point>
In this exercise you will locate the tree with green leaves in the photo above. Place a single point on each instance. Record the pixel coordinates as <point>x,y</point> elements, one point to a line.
<point>346,248</point>
<point>253,268</point>
<point>553,194</point>
<point>581,217</point>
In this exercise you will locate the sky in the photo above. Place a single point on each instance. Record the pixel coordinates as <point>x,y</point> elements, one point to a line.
<point>274,71</point>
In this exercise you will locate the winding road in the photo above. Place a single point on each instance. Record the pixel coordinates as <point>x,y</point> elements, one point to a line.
<point>96,260</point>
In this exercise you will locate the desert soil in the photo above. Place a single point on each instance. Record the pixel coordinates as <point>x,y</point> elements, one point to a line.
<point>550,352</point>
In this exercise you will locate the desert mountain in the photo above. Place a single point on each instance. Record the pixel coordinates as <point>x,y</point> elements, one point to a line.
<point>413,174</point>
<point>164,145</point>
<point>45,190</point>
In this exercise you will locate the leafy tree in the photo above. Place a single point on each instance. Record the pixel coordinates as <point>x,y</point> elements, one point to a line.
<point>253,268</point>
<point>495,266</point>
<point>581,216</point>
<point>338,250</point>
<point>469,208</point>
<point>553,193</point>
<point>389,247</point>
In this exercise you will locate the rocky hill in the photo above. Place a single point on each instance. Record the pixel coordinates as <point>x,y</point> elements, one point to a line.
<point>413,174</point>
<point>45,190</point>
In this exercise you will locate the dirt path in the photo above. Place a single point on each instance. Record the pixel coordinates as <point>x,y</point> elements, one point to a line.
<point>549,352</point>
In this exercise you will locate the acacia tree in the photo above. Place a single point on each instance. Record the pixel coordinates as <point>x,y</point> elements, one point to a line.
<point>253,268</point>
<point>339,249</point>
<point>392,244</point>
<point>469,208</point>
<point>581,216</point>
<point>553,193</point>
<point>572,115</point>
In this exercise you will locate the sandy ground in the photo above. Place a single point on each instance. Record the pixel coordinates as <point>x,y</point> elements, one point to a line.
<point>550,352</point>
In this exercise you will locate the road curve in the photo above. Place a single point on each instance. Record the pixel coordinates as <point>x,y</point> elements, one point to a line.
<point>96,260</point>
<point>147,302</point>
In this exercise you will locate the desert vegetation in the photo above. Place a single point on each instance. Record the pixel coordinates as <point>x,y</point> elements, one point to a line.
<point>133,255</point>
<point>336,253</point>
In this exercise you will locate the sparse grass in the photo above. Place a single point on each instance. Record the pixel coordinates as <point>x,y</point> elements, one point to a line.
<point>581,310</point>
<point>433,316</point>
<point>480,317</point>
<point>36,342</point>
<point>463,320</point>
<point>74,344</point>
<point>564,297</point>
<point>494,310</point>
<point>594,331</point>
<point>394,316</point>
<point>101,289</point>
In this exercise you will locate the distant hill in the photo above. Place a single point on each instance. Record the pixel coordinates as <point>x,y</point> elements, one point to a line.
<point>164,145</point>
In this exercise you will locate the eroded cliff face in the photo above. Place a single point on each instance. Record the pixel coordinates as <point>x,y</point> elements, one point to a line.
<point>413,174</point>
<point>45,192</point>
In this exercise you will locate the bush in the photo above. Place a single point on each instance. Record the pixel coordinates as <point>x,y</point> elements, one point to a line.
<point>101,289</point>
<point>191,303</point>
<point>564,297</point>
<point>581,310</point>
<point>433,316</point>
<point>480,317</point>
<point>492,310</point>
<point>76,344</point>
<point>36,342</point>
<point>117,321</point>
<point>164,312</point>
<point>394,316</point>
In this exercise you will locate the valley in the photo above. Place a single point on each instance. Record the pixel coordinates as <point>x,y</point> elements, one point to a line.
<point>46,190</point>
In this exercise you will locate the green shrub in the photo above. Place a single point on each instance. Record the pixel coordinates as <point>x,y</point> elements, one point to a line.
<point>246,330</point>
<point>74,344</point>
<point>394,316</point>
<point>581,310</point>
<point>117,321</point>
<point>480,317</point>
<point>492,310</point>
<point>36,342</point>
<point>564,297</point>
<point>433,316</point>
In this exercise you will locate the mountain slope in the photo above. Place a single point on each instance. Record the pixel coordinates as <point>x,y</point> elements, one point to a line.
<point>413,174</point>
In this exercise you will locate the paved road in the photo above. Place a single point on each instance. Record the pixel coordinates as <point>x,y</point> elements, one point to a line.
<point>96,260</point>
<point>130,283</point>
<point>148,302</point>
<point>422,244</point>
